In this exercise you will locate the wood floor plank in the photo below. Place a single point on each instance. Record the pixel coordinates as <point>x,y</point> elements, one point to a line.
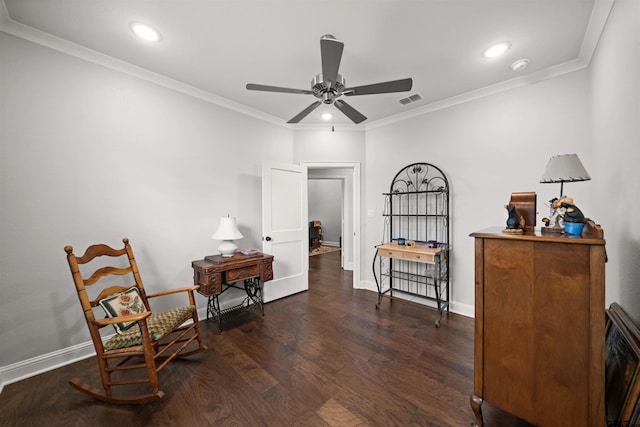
<point>325,357</point>
<point>337,415</point>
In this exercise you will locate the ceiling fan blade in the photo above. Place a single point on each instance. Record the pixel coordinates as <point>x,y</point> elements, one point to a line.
<point>402,85</point>
<point>252,86</point>
<point>355,116</point>
<point>331,52</point>
<point>302,114</point>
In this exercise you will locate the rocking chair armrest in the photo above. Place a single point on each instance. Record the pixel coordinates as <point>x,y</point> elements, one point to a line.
<point>122,319</point>
<point>174,291</point>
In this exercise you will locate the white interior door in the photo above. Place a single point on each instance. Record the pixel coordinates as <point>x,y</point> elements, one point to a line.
<point>285,228</point>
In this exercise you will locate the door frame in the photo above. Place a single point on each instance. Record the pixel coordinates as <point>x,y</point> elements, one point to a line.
<point>355,168</point>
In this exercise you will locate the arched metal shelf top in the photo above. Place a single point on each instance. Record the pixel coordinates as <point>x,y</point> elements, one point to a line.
<point>413,258</point>
<point>419,178</point>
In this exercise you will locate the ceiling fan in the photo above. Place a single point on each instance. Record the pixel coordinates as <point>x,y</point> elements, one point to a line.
<point>329,85</point>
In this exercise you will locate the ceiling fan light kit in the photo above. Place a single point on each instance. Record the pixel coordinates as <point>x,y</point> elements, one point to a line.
<point>328,86</point>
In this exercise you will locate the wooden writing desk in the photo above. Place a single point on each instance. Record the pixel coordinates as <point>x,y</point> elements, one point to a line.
<point>216,274</point>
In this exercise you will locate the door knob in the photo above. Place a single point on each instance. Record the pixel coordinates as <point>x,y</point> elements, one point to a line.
<point>268,239</point>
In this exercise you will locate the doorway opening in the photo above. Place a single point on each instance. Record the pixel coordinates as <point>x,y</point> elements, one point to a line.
<point>326,215</point>
<point>344,179</point>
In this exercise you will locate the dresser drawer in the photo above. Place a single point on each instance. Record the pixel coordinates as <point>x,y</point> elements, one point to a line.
<point>243,273</point>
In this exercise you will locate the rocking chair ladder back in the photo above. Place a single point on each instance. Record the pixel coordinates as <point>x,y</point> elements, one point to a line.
<point>145,341</point>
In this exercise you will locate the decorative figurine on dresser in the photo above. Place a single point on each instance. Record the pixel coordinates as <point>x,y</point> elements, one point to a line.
<point>540,326</point>
<point>414,256</point>
<point>513,220</point>
<point>521,212</point>
<point>247,270</point>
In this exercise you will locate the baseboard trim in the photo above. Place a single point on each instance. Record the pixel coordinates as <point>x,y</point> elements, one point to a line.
<point>46,362</point>
<point>56,359</point>
<point>455,307</point>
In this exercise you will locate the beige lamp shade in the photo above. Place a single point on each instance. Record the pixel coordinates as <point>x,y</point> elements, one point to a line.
<point>564,168</point>
<point>227,232</point>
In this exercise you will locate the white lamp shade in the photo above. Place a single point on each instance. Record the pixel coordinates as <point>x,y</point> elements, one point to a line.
<point>565,168</point>
<point>228,230</point>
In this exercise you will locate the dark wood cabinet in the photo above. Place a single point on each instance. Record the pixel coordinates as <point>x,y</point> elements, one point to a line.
<point>315,234</point>
<point>540,327</point>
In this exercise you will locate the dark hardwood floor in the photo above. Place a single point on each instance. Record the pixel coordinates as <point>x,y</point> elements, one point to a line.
<point>325,357</point>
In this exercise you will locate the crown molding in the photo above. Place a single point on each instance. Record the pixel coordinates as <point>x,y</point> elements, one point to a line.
<point>48,40</point>
<point>547,73</point>
<point>597,21</point>
<point>595,27</point>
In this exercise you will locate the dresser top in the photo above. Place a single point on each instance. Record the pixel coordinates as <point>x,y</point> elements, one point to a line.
<point>593,238</point>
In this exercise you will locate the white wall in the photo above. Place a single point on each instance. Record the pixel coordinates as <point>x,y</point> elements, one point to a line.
<point>327,146</point>
<point>92,155</point>
<point>615,112</point>
<point>488,148</point>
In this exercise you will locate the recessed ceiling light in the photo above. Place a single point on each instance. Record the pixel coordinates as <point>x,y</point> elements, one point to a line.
<point>496,50</point>
<point>326,116</point>
<point>520,65</point>
<point>145,32</point>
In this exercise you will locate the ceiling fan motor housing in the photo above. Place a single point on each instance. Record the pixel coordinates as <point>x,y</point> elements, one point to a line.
<point>327,90</point>
<point>329,85</point>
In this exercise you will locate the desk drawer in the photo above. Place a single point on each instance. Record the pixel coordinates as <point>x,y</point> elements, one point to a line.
<point>390,253</point>
<point>243,273</point>
<point>420,257</point>
<point>266,272</point>
<point>427,256</point>
<point>210,284</point>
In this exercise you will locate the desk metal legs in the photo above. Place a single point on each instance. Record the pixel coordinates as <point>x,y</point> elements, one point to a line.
<point>253,289</point>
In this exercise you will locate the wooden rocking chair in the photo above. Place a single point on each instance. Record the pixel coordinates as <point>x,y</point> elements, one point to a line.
<point>145,341</point>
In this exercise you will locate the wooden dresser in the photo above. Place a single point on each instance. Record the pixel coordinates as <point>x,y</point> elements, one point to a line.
<point>540,327</point>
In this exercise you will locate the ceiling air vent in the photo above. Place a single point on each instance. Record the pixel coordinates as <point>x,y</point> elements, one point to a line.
<point>409,99</point>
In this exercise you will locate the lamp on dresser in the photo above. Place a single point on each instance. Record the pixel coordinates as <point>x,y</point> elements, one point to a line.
<point>564,168</point>
<point>227,232</point>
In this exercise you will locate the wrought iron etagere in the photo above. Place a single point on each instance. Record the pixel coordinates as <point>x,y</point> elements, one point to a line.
<point>416,210</point>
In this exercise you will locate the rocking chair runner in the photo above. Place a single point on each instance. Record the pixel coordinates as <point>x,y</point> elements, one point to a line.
<point>155,338</point>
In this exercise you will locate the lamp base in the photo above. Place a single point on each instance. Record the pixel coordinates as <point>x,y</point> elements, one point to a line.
<point>227,248</point>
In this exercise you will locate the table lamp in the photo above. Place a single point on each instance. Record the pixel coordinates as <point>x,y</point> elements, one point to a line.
<point>227,232</point>
<point>564,168</point>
